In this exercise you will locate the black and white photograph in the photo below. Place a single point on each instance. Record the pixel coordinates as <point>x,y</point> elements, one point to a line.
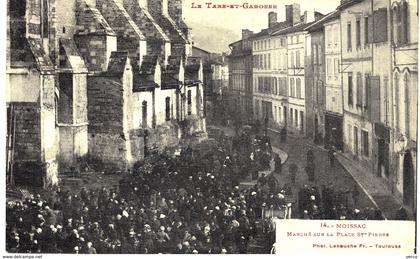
<point>200,127</point>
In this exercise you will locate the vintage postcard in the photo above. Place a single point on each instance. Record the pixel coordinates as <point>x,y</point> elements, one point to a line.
<point>210,127</point>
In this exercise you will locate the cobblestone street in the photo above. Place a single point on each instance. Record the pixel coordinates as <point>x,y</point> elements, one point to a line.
<point>296,148</point>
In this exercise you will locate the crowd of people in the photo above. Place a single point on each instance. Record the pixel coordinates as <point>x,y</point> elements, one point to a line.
<point>333,204</point>
<point>187,204</point>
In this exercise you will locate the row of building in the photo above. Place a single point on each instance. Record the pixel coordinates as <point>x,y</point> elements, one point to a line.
<point>97,82</point>
<point>346,79</point>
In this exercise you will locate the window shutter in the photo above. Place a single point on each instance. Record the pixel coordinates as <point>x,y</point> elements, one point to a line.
<point>380,26</point>
<point>359,102</point>
<point>370,29</point>
<point>374,106</point>
<point>404,23</point>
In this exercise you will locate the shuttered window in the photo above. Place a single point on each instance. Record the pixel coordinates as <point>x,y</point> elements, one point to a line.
<point>358,34</point>
<point>374,109</point>
<point>292,87</point>
<point>366,30</point>
<point>404,22</point>
<point>365,143</point>
<point>298,90</point>
<point>367,92</point>
<point>356,140</point>
<point>349,37</point>
<point>380,25</point>
<point>370,29</point>
<point>359,82</point>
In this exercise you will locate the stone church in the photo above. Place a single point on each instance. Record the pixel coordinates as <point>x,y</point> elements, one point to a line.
<point>102,82</point>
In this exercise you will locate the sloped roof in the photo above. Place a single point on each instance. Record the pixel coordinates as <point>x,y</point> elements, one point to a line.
<point>170,28</point>
<point>174,63</point>
<point>43,61</point>
<point>292,29</point>
<point>142,84</point>
<point>91,21</point>
<point>169,81</point>
<point>73,59</point>
<point>200,49</point>
<point>148,65</point>
<point>171,73</point>
<point>145,22</point>
<point>319,24</point>
<point>347,3</point>
<point>192,70</point>
<point>269,31</point>
<point>119,19</point>
<point>117,63</point>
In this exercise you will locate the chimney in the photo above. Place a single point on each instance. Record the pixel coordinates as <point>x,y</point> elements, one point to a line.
<point>157,6</point>
<point>309,16</point>
<point>246,33</point>
<point>272,19</point>
<point>293,14</point>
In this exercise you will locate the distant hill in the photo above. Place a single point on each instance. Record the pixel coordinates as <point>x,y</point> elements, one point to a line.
<point>213,39</point>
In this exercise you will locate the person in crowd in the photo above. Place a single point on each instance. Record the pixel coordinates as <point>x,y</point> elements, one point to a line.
<point>164,206</point>
<point>331,157</point>
<point>277,164</point>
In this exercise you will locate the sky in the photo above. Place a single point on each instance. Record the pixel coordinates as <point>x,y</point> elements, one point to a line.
<point>214,29</point>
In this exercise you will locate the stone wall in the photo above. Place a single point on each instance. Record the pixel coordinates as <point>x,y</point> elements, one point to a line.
<point>66,25</point>
<point>94,37</point>
<point>96,50</point>
<point>109,142</point>
<point>163,136</point>
<point>65,102</point>
<point>129,36</point>
<point>72,116</point>
<point>27,131</point>
<point>80,95</point>
<point>175,10</point>
<point>49,131</point>
<point>158,42</point>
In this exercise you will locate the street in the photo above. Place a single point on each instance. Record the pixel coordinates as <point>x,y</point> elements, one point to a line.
<point>296,148</point>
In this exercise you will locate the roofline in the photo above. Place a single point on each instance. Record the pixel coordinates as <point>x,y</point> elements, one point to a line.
<point>201,49</point>
<point>323,20</point>
<point>235,42</point>
<point>348,4</point>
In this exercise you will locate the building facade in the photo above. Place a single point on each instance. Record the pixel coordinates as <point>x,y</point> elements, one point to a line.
<point>379,71</point>
<point>140,51</point>
<point>271,73</point>
<point>240,77</point>
<point>315,80</point>
<point>333,83</point>
<point>404,83</point>
<point>356,67</point>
